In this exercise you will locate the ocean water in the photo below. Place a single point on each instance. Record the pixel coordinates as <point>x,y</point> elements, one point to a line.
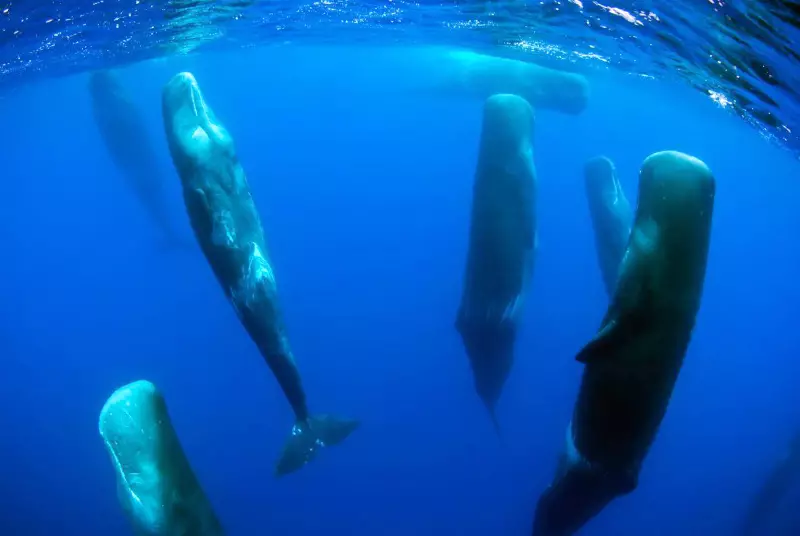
<point>364,191</point>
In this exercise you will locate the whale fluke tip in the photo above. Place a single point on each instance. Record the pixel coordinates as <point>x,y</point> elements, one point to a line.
<point>309,436</point>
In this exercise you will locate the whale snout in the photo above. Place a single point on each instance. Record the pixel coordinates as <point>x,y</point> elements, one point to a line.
<point>673,169</point>
<point>156,486</point>
<point>599,174</point>
<point>132,425</point>
<point>128,423</point>
<point>677,188</point>
<point>507,120</point>
<point>183,90</point>
<point>183,105</point>
<point>191,127</point>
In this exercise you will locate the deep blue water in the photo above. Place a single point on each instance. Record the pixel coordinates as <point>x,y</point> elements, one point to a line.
<point>365,201</point>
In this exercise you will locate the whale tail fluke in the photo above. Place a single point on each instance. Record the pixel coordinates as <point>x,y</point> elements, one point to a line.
<point>309,436</point>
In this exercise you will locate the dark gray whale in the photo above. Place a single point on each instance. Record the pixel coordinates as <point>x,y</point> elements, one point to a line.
<point>228,228</point>
<point>502,238</point>
<point>611,215</point>
<point>128,143</point>
<point>156,485</point>
<point>633,362</point>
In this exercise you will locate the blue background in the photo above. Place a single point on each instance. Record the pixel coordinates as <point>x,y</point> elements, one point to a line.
<point>365,200</point>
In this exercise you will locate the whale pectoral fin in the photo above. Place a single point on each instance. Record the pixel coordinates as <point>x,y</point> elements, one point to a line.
<point>618,331</point>
<point>612,335</point>
<point>633,305</point>
<point>599,348</point>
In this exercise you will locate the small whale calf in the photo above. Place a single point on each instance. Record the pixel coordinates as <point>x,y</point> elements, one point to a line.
<point>502,239</point>
<point>633,362</point>
<point>611,215</point>
<point>228,229</point>
<point>156,485</point>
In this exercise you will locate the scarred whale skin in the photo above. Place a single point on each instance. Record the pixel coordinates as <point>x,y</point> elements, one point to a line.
<point>156,485</point>
<point>227,227</point>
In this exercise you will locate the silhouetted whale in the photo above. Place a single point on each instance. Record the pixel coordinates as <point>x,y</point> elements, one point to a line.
<point>156,485</point>
<point>502,240</point>
<point>633,362</point>
<point>611,215</point>
<point>400,72</point>
<point>126,138</point>
<point>455,72</point>
<point>774,487</point>
<point>228,228</point>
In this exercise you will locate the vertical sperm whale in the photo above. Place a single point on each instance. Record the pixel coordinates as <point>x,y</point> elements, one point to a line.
<point>501,245</point>
<point>228,229</point>
<point>611,216</point>
<point>632,364</point>
<point>156,485</point>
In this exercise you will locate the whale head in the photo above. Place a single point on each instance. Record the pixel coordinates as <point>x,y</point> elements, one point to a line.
<point>507,129</point>
<point>603,189</point>
<point>599,176</point>
<point>671,182</point>
<point>156,485</point>
<point>197,140</point>
<point>130,424</point>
